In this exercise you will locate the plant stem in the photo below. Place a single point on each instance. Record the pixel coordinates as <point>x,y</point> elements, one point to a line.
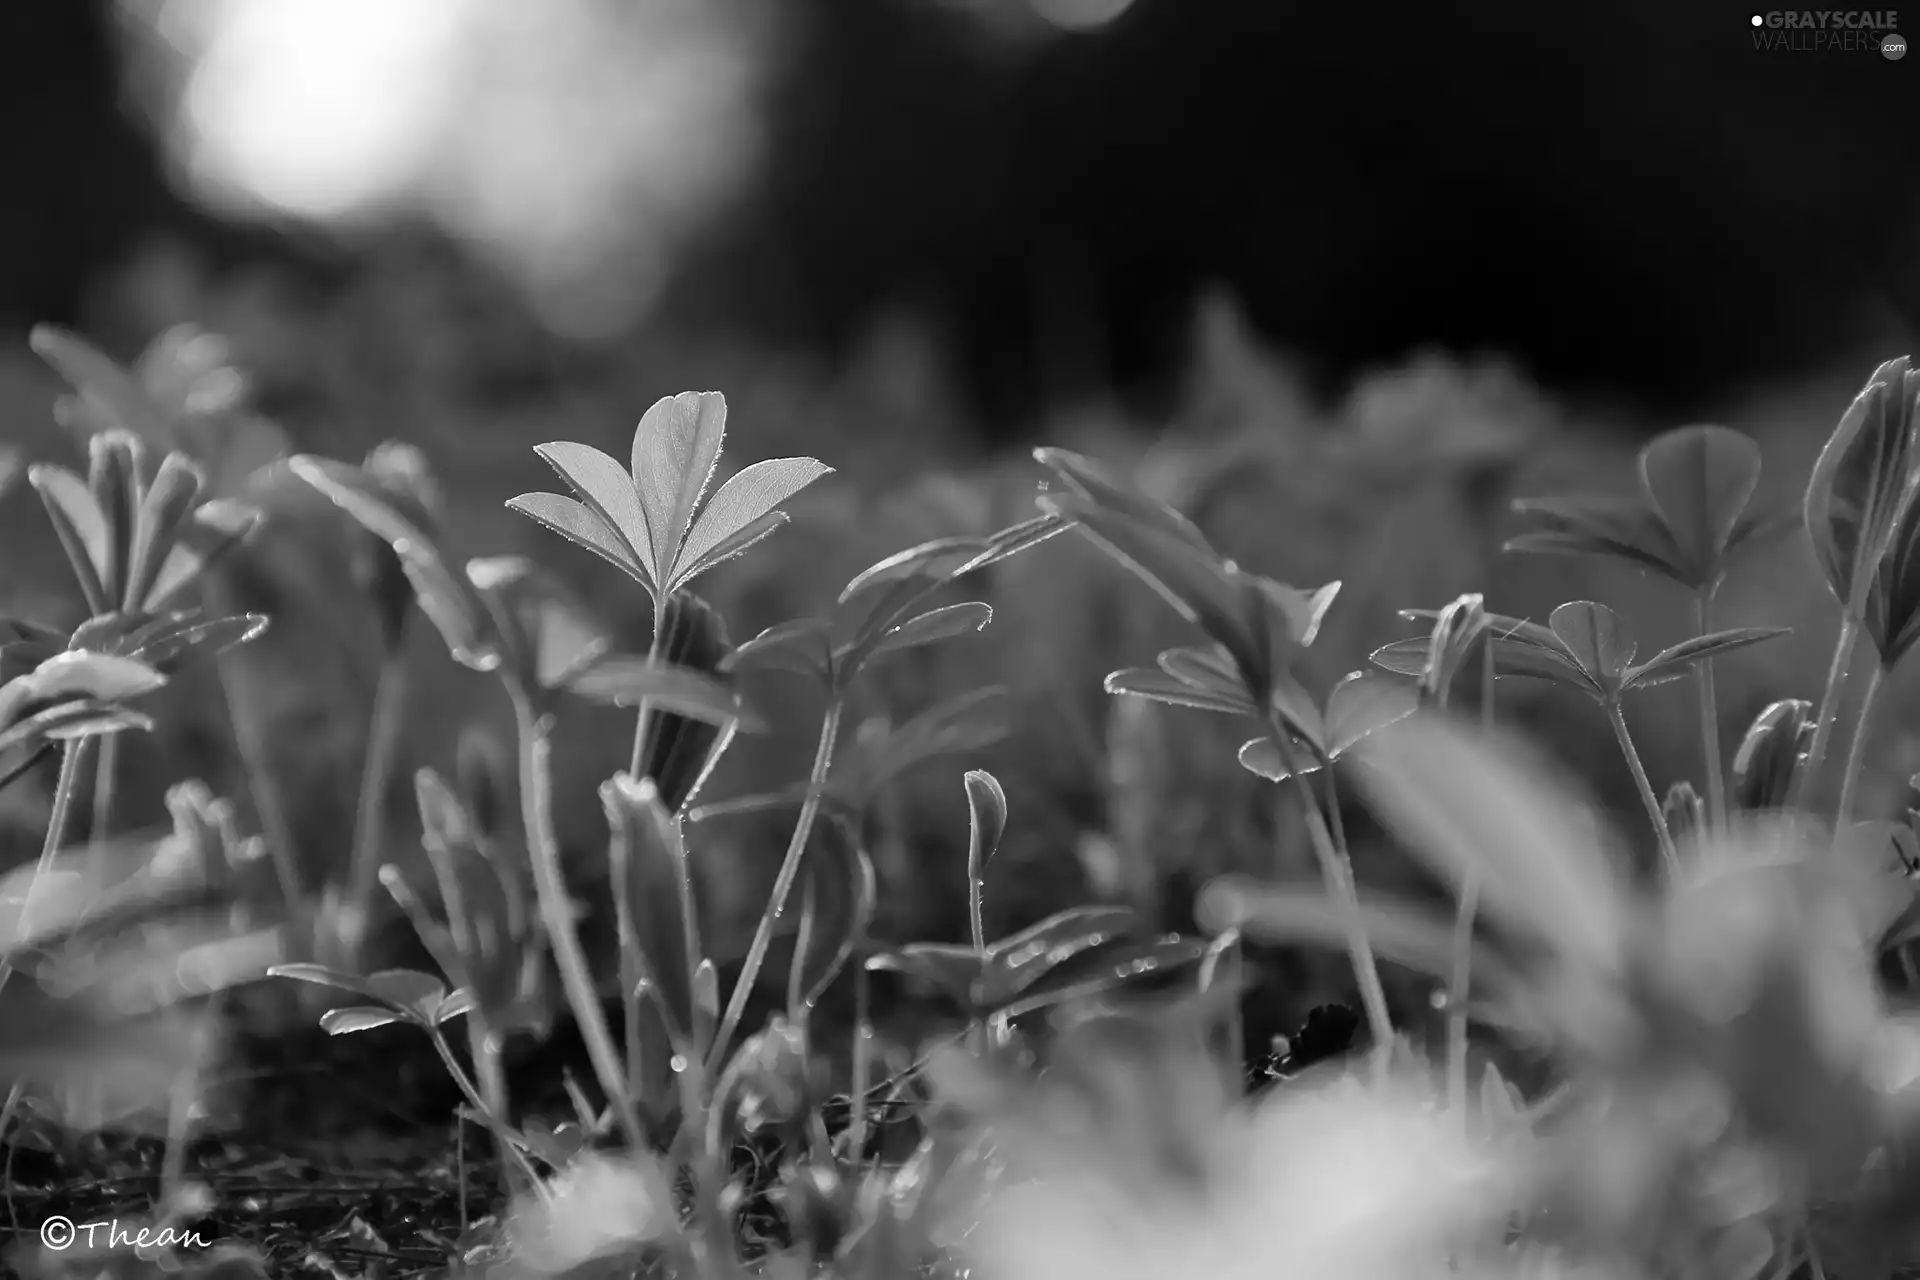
<point>1856,753</point>
<point>73,758</point>
<point>492,1081</point>
<point>383,742</point>
<point>1829,708</point>
<point>556,907</point>
<point>1619,721</point>
<point>1336,869</point>
<point>1710,720</point>
<point>105,770</point>
<point>251,744</point>
<point>643,718</point>
<point>1460,980</point>
<point>495,1120</point>
<point>782,884</point>
<point>862,1066</point>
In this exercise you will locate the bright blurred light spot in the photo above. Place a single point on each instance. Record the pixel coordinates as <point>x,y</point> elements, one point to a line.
<point>317,107</point>
<point>573,142</point>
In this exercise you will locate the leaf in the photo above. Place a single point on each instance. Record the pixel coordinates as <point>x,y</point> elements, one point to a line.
<point>1103,970</point>
<point>326,976</point>
<point>1361,704</point>
<point>950,971</point>
<point>81,526</point>
<point>936,560</point>
<point>1467,803</point>
<point>1595,639</point>
<point>836,911</point>
<point>949,727</point>
<point>457,1004</point>
<point>675,450</point>
<point>626,680</point>
<point>801,646</point>
<point>1860,485</point>
<point>169,501</point>
<point>1700,480</point>
<point>934,626</point>
<point>1302,611</point>
<point>1261,757</point>
<point>409,989</point>
<point>447,598</point>
<point>733,545</point>
<point>680,752</point>
<point>584,527</point>
<point>1016,962</point>
<point>1142,682</point>
<point>76,719</point>
<point>1403,657</point>
<point>1096,487</point>
<point>100,676</point>
<point>1210,669</point>
<point>341,1022</point>
<point>168,642</point>
<point>110,393</point>
<point>1673,661</point>
<point>653,897</point>
<point>987,820</point>
<point>608,492</point>
<point>743,501</point>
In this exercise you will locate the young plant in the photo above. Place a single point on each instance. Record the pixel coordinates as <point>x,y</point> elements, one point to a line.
<point>1259,626</point>
<point>503,617</point>
<point>1860,518</point>
<point>1688,524</point>
<point>1586,647</point>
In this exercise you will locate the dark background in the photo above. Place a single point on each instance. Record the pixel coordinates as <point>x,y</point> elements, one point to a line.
<point>1625,198</point>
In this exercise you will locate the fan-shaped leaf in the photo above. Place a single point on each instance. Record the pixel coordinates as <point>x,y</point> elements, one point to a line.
<point>1361,704</point>
<point>1593,635</point>
<point>81,526</point>
<point>418,993</point>
<point>1262,757</point>
<point>111,395</point>
<point>326,976</point>
<point>455,1005</point>
<point>609,493</point>
<point>582,526</point>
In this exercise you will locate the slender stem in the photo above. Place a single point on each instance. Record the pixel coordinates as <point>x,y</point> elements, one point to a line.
<point>1710,719</point>
<point>492,1080</point>
<point>556,907</point>
<point>1829,707</point>
<point>251,745</point>
<point>1619,721</point>
<point>383,743</point>
<point>1336,869</point>
<point>105,773</point>
<point>782,885</point>
<point>73,757</point>
<point>643,718</point>
<point>976,911</point>
<point>862,1065</point>
<point>1856,753</point>
<point>1466,910</point>
<point>495,1120</point>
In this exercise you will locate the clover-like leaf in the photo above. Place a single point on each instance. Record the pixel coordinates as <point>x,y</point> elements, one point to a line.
<point>743,512</point>
<point>445,594</point>
<point>1862,485</point>
<point>987,819</point>
<point>341,1022</point>
<point>1594,635</point>
<point>1699,480</point>
<point>409,989</point>
<point>1359,704</point>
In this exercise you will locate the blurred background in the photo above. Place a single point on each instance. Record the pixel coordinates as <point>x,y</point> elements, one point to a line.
<point>1339,279</point>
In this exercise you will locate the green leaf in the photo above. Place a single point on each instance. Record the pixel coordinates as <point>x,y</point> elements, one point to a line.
<point>626,680</point>
<point>1700,479</point>
<point>168,642</point>
<point>93,677</point>
<point>446,596</point>
<point>934,626</point>
<point>342,1022</point>
<point>676,448</point>
<point>1595,639</point>
<point>409,989</point>
<point>1106,969</point>
<point>1598,526</point>
<point>555,636</point>
<point>457,1004</point>
<point>744,502</point>
<point>987,820</point>
<point>1098,489</point>
<point>1208,669</point>
<point>934,560</point>
<point>584,527</point>
<point>1676,660</point>
<point>76,719</point>
<point>653,898</point>
<point>950,971</point>
<point>1403,657</point>
<point>81,526</point>
<point>110,394</point>
<point>610,494</point>
<point>326,976</point>
<point>1361,704</point>
<point>1261,757</point>
<point>1861,484</point>
<point>802,647</point>
<point>952,726</point>
<point>1770,755</point>
<point>836,911</point>
<point>1016,962</point>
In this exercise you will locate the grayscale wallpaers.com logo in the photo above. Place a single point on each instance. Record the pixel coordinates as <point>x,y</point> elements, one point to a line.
<point>1831,31</point>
